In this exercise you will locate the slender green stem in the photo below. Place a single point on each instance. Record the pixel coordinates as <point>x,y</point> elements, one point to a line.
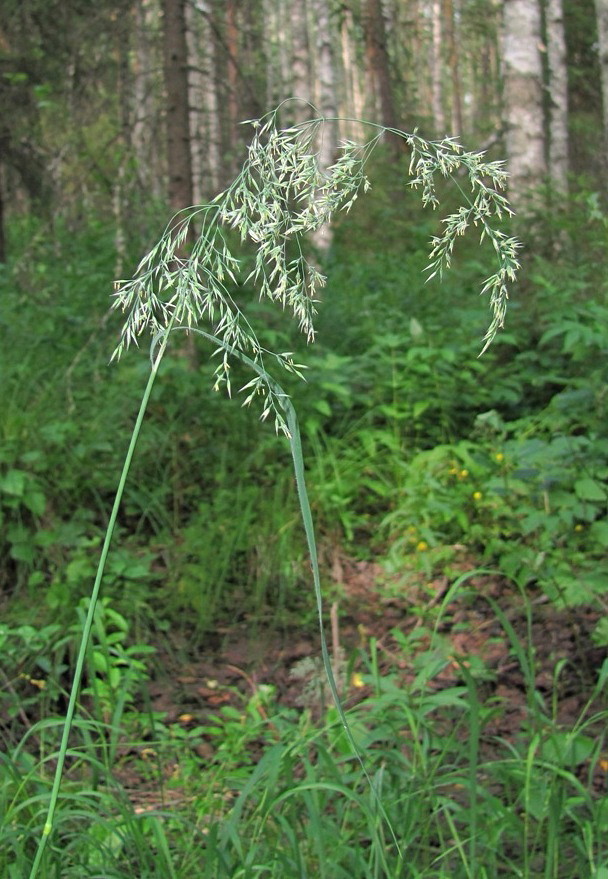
<point>88,623</point>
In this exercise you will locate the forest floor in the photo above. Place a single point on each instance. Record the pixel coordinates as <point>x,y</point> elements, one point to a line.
<point>189,690</point>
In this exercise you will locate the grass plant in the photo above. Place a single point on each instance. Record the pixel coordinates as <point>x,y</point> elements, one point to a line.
<point>279,196</point>
<point>392,406</point>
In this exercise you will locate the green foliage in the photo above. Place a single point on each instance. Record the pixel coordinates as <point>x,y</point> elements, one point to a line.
<point>281,794</point>
<point>418,452</point>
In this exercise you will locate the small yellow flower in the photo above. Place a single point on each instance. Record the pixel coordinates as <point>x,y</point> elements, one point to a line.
<point>578,527</point>
<point>147,754</point>
<point>477,495</point>
<point>38,682</point>
<point>453,471</point>
<point>185,718</point>
<point>499,457</point>
<point>463,474</point>
<point>356,680</point>
<point>35,682</point>
<point>422,545</point>
<point>604,765</point>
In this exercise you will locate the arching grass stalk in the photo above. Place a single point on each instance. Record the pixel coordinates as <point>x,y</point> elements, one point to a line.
<point>295,443</point>
<point>90,617</point>
<point>280,196</point>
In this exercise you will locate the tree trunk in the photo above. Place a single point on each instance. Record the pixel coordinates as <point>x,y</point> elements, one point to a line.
<point>325,81</point>
<point>454,64</point>
<point>300,57</point>
<point>178,118</point>
<point>353,106</point>
<point>378,64</point>
<point>325,99</point>
<point>437,70</point>
<point>204,115</point>
<point>558,96</point>
<point>601,7</point>
<point>523,100</point>
<point>232,52</point>
<point>146,134</point>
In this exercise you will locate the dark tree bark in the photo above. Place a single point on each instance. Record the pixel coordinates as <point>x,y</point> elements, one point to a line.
<point>232,51</point>
<point>378,65</point>
<point>176,85</point>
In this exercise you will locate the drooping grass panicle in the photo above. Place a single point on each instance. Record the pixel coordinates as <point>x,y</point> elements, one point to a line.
<point>280,196</point>
<point>484,207</point>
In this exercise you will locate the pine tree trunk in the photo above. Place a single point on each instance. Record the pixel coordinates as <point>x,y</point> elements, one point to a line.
<point>178,120</point>
<point>353,106</point>
<point>146,131</point>
<point>378,65</point>
<point>558,96</point>
<point>232,52</point>
<point>523,100</point>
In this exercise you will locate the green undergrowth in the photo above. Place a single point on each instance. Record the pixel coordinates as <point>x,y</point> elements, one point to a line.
<point>418,452</point>
<point>256,788</point>
<point>414,444</point>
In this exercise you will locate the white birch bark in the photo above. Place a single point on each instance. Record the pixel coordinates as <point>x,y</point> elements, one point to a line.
<point>300,61</point>
<point>558,95</point>
<point>325,80</point>
<point>204,110</point>
<point>326,101</point>
<point>437,70</point>
<point>523,105</point>
<point>601,8</point>
<point>451,14</point>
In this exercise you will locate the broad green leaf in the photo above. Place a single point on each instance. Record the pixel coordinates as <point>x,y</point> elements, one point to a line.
<point>35,501</point>
<point>13,483</point>
<point>599,532</point>
<point>589,490</point>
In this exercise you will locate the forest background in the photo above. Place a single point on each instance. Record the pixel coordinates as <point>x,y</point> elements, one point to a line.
<point>438,479</point>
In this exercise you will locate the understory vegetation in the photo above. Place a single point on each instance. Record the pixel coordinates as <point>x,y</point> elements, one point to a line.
<point>489,473</point>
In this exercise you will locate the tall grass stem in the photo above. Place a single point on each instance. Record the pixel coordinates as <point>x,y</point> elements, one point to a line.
<point>90,617</point>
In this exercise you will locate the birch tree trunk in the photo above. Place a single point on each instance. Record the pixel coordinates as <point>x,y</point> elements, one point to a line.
<point>523,100</point>
<point>204,110</point>
<point>325,81</point>
<point>558,95</point>
<point>300,54</point>
<point>437,70</point>
<point>601,7</point>
<point>454,65</point>
<point>326,100</point>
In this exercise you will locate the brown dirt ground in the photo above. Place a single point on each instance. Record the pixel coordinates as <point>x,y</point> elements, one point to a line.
<point>188,692</point>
